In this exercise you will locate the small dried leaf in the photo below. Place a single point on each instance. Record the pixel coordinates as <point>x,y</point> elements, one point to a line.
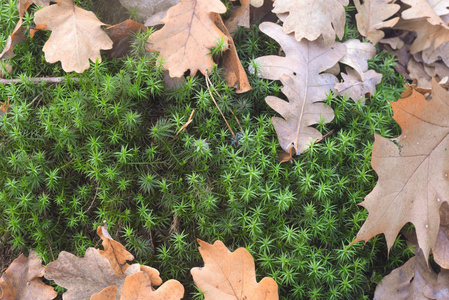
<point>16,37</point>
<point>357,55</point>
<point>356,88</point>
<point>76,35</point>
<point>121,35</point>
<point>230,275</point>
<point>138,286</point>
<point>311,19</point>
<point>187,35</point>
<point>239,16</point>
<point>371,16</point>
<point>21,280</point>
<point>114,251</point>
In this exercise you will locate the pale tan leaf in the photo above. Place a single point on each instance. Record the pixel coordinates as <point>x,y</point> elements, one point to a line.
<point>428,35</point>
<point>431,10</point>
<point>417,72</point>
<point>357,55</point>
<point>441,251</point>
<point>230,275</point>
<point>431,55</point>
<point>374,15</point>
<point>394,42</point>
<point>21,280</point>
<point>305,85</point>
<point>406,282</point>
<point>311,19</point>
<point>16,37</point>
<point>83,277</point>
<point>230,63</point>
<point>76,35</point>
<point>440,289</point>
<point>356,88</point>
<point>138,286</point>
<point>187,35</point>
<point>108,293</point>
<point>412,184</point>
<point>258,3</point>
<point>115,252</point>
<point>239,16</point>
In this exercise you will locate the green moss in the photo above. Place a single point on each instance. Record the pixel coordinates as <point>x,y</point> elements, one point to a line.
<point>104,148</point>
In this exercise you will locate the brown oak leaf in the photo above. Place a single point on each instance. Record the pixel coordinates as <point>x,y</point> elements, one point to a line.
<point>431,10</point>
<point>304,84</point>
<point>413,181</point>
<point>188,34</point>
<point>311,19</point>
<point>21,280</point>
<point>373,15</point>
<point>16,37</point>
<point>115,252</point>
<point>230,275</point>
<point>83,277</point>
<point>239,16</point>
<point>76,35</point>
<point>356,88</point>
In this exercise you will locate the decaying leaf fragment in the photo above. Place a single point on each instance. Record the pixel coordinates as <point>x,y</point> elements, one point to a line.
<point>115,252</point>
<point>304,84</point>
<point>230,275</point>
<point>21,280</point>
<point>76,35</point>
<point>413,179</point>
<point>373,15</point>
<point>356,88</point>
<point>16,37</point>
<point>239,16</point>
<point>121,35</point>
<point>188,34</point>
<point>311,19</point>
<point>357,55</point>
<point>149,10</point>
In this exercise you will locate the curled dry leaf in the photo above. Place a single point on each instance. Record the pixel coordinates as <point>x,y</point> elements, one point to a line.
<point>413,181</point>
<point>305,85</point>
<point>16,37</point>
<point>230,275</point>
<point>373,15</point>
<point>21,280</point>
<point>232,67</point>
<point>356,88</point>
<point>188,34</point>
<point>239,16</point>
<point>357,56</point>
<point>83,277</point>
<point>115,252</point>
<point>76,35</point>
<point>311,19</point>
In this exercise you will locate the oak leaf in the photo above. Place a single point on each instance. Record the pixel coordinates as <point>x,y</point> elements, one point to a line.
<point>357,55</point>
<point>239,16</point>
<point>138,286</point>
<point>431,10</point>
<point>83,277</point>
<point>21,280</point>
<point>149,9</point>
<point>431,55</point>
<point>407,282</point>
<point>373,15</point>
<point>441,251</point>
<point>188,34</point>
<point>115,252</point>
<point>413,181</point>
<point>121,35</point>
<point>16,37</point>
<point>311,19</point>
<point>230,275</point>
<point>305,85</point>
<point>76,35</point>
<point>357,88</point>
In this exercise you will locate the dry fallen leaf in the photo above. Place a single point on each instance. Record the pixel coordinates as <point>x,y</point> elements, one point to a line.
<point>413,176</point>
<point>16,37</point>
<point>311,19</point>
<point>121,35</point>
<point>146,9</point>
<point>233,70</point>
<point>108,293</point>
<point>356,88</point>
<point>441,251</point>
<point>258,3</point>
<point>357,55</point>
<point>431,10</point>
<point>115,252</point>
<point>407,282</point>
<point>83,277</point>
<point>304,84</point>
<point>187,35</point>
<point>21,280</point>
<point>239,16</point>
<point>230,275</point>
<point>138,286</point>
<point>431,55</point>
<point>372,15</point>
<point>76,35</point>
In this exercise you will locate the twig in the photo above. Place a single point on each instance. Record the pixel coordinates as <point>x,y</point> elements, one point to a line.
<point>210,93</point>
<point>37,80</point>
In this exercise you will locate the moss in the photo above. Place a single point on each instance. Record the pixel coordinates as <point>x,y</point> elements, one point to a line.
<point>104,148</point>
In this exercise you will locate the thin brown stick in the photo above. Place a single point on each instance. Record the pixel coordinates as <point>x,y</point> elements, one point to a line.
<point>38,80</point>
<point>210,93</point>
